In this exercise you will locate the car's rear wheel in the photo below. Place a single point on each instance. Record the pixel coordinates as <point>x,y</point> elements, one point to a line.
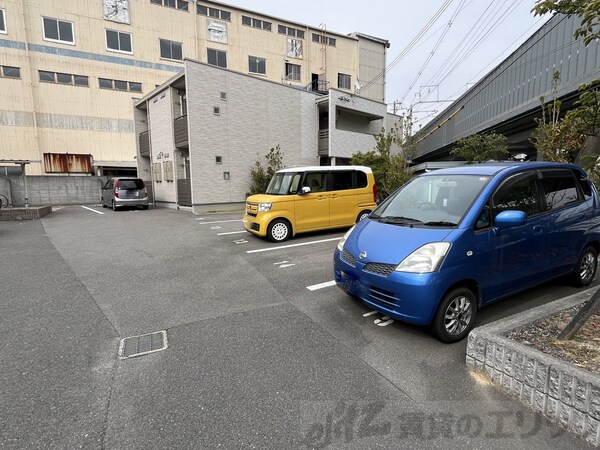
<point>114,206</point>
<point>455,316</point>
<point>362,215</point>
<point>585,270</point>
<point>102,201</point>
<point>144,206</point>
<point>279,230</point>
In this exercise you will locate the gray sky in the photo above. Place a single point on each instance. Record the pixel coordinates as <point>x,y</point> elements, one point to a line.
<point>497,27</point>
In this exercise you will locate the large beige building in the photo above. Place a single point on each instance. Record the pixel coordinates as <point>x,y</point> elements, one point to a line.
<point>70,72</point>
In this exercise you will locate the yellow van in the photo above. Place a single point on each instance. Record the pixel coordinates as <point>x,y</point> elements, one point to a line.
<point>303,199</point>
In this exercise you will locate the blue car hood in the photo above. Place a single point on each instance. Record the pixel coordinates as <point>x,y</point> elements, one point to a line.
<point>390,244</point>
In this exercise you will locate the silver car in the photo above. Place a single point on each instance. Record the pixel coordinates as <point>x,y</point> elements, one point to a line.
<point>121,192</point>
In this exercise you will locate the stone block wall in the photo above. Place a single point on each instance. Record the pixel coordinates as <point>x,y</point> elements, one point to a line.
<point>562,392</point>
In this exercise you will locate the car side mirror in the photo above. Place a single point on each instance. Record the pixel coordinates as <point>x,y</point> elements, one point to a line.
<point>305,190</point>
<point>507,219</point>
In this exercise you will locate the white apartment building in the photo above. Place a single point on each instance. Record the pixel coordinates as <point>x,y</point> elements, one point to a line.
<point>70,72</point>
<point>200,133</point>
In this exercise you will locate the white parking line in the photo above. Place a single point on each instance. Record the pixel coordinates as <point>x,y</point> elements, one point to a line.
<point>219,221</point>
<point>292,245</point>
<point>370,313</point>
<point>93,210</point>
<point>314,287</point>
<point>231,232</point>
<point>383,319</point>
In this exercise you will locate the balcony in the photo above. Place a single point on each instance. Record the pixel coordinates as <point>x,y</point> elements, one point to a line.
<point>180,131</point>
<point>144,141</point>
<point>324,142</point>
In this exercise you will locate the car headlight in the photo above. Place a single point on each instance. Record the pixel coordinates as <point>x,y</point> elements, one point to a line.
<point>264,207</point>
<point>425,259</point>
<point>340,245</point>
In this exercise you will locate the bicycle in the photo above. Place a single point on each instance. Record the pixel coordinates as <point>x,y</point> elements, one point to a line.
<point>3,201</point>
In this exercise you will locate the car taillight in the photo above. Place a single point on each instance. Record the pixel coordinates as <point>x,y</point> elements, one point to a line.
<point>375,192</point>
<point>145,192</point>
<point>117,189</point>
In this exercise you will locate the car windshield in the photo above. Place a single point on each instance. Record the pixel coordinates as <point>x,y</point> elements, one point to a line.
<point>431,200</point>
<point>284,183</point>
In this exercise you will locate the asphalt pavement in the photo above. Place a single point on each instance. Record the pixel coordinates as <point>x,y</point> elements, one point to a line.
<point>263,351</point>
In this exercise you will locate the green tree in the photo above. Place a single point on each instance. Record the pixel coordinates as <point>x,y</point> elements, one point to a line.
<point>390,169</point>
<point>587,109</point>
<point>260,176</point>
<point>482,147</point>
<point>585,118</point>
<point>588,10</point>
<point>555,138</point>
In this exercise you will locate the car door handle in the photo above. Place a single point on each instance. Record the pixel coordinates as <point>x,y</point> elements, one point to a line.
<point>538,229</point>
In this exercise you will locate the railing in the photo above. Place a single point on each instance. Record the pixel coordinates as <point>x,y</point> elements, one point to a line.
<point>144,140</point>
<point>318,86</point>
<point>323,142</point>
<point>180,131</point>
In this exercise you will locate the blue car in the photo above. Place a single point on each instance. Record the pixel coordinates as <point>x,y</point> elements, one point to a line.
<point>451,241</point>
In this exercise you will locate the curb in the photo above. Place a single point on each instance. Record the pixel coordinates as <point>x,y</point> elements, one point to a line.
<point>564,393</point>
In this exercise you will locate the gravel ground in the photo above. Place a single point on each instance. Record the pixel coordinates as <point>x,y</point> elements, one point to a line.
<point>583,349</point>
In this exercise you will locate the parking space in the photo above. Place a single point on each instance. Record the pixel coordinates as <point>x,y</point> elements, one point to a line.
<point>264,350</point>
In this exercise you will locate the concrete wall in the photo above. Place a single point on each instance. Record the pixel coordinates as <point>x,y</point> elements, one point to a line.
<point>53,190</point>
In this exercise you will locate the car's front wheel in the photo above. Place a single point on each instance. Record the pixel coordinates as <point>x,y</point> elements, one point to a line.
<point>279,230</point>
<point>362,215</point>
<point>455,316</point>
<point>585,270</point>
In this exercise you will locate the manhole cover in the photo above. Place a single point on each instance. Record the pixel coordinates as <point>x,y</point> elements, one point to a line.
<point>142,345</point>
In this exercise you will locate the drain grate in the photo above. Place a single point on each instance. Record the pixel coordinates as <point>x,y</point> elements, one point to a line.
<point>142,345</point>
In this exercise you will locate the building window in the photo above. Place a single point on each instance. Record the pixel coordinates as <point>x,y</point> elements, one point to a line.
<point>118,41</point>
<point>224,96</point>
<point>257,65</point>
<point>324,39</point>
<point>292,72</point>
<point>63,78</point>
<point>218,159</point>
<point>177,4</point>
<point>58,30</point>
<point>216,110</point>
<point>2,22</point>
<point>289,31</point>
<point>213,12</point>
<point>171,50</point>
<point>256,23</point>
<point>344,81</point>
<point>10,72</point>
<point>119,85</point>
<point>217,57</point>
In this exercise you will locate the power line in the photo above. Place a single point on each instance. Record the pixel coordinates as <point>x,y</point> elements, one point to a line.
<point>478,33</point>
<point>409,47</point>
<point>435,47</point>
